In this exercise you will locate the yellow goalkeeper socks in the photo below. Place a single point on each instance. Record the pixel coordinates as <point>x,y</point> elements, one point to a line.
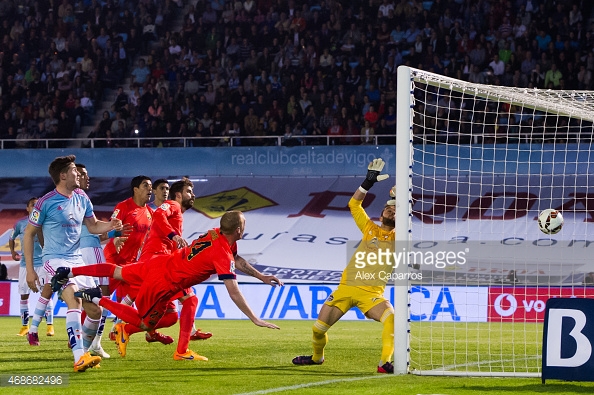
<point>387,336</point>
<point>319,340</point>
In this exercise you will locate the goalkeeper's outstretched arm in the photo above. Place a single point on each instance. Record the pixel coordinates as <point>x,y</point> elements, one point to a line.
<point>373,175</point>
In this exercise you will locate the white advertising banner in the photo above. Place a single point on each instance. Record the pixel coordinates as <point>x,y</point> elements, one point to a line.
<point>298,227</point>
<point>302,302</point>
<point>479,208</point>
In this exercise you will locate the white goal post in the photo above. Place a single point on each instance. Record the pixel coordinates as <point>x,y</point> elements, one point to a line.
<point>475,164</point>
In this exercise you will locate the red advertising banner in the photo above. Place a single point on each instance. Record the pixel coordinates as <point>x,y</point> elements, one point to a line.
<point>527,304</point>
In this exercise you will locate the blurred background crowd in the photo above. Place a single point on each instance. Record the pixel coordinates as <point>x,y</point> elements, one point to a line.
<point>307,71</point>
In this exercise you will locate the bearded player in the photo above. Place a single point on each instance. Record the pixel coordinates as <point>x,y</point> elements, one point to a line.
<point>351,292</point>
<point>135,213</point>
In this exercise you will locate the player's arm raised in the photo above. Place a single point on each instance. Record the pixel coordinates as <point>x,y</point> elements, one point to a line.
<point>241,303</point>
<point>355,204</point>
<point>373,175</point>
<point>246,268</point>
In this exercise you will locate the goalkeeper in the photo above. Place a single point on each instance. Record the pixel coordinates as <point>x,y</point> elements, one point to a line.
<point>359,287</point>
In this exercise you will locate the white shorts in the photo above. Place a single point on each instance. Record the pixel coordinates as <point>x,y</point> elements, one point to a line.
<point>91,256</point>
<point>82,282</point>
<point>23,287</point>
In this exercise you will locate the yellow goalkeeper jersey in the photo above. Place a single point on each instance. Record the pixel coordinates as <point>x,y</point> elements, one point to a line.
<point>363,270</point>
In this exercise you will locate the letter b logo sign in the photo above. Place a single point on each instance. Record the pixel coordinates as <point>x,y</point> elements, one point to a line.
<point>567,339</point>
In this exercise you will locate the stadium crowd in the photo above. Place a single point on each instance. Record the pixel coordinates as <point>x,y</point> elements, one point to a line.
<point>59,58</point>
<point>258,68</point>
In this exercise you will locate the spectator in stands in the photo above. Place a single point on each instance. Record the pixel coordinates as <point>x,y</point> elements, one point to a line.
<point>584,78</point>
<point>335,131</point>
<point>371,116</point>
<point>140,73</point>
<point>553,77</point>
<point>191,86</point>
<point>497,65</point>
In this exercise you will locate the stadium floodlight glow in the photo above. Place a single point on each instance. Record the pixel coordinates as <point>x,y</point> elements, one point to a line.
<point>475,164</point>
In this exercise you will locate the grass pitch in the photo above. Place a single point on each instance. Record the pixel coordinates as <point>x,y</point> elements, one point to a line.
<point>243,359</point>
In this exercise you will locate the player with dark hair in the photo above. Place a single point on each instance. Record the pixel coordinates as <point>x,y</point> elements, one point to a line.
<point>160,192</point>
<point>367,296</point>
<point>164,238</point>
<point>139,217</point>
<point>60,214</point>
<point>47,308</point>
<point>135,213</point>
<point>165,235</point>
<point>163,277</point>
<point>92,252</point>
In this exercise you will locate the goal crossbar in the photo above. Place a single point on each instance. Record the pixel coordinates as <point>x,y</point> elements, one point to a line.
<point>574,104</point>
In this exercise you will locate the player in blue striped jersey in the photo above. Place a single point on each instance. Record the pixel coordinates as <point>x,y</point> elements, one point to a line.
<point>17,233</point>
<point>60,214</point>
<point>92,253</point>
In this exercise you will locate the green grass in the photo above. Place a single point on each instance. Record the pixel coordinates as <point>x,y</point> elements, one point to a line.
<point>245,358</point>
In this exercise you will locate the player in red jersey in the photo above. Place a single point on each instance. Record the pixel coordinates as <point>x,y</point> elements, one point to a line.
<point>165,238</point>
<point>136,212</point>
<point>165,235</point>
<point>122,251</point>
<point>163,277</point>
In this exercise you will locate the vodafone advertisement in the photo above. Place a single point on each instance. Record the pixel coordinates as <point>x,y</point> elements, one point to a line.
<point>527,304</point>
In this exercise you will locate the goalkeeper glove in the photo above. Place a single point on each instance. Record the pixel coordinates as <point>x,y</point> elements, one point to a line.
<point>373,174</point>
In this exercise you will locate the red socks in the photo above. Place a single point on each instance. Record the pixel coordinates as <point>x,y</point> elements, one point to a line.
<point>186,323</point>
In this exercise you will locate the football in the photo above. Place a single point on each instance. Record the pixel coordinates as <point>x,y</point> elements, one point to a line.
<point>550,221</point>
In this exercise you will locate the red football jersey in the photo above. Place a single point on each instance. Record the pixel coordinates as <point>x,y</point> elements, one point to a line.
<point>141,219</point>
<point>209,254</point>
<point>167,222</point>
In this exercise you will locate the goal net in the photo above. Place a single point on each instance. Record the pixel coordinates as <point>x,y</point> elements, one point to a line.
<point>475,165</point>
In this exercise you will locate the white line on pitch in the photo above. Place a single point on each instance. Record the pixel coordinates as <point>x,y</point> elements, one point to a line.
<point>306,385</point>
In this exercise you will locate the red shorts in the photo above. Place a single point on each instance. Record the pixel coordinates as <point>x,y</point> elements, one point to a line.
<point>153,295</point>
<point>153,300</point>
